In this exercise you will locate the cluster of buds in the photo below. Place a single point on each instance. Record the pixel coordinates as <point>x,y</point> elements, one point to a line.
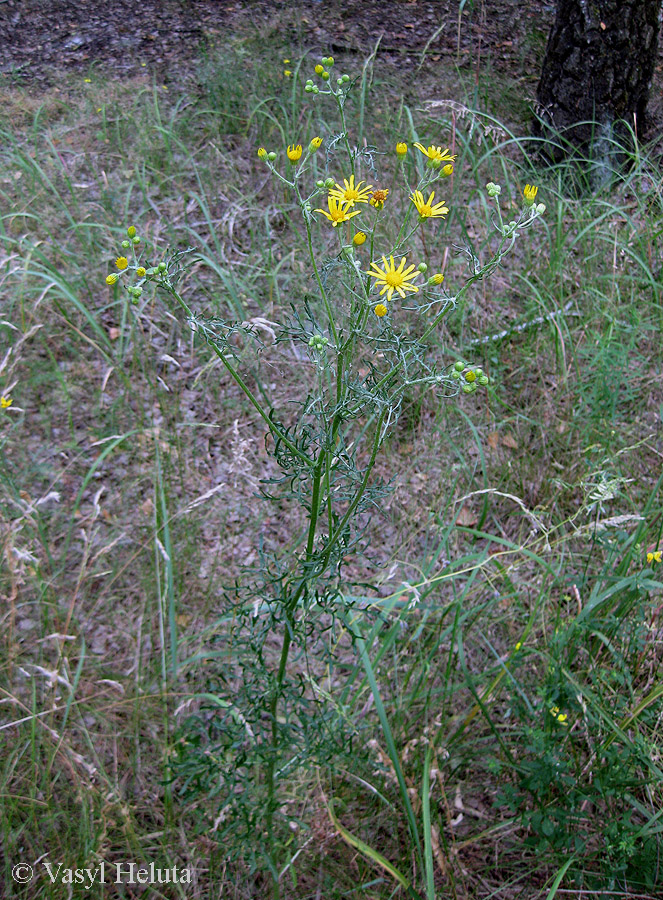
<point>322,71</point>
<point>122,265</point>
<point>293,152</point>
<point>317,342</point>
<point>472,377</point>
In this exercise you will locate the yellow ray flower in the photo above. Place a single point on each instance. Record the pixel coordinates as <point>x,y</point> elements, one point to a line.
<point>530,193</point>
<point>294,152</point>
<point>5,402</point>
<point>394,279</point>
<point>338,211</point>
<point>351,193</point>
<point>427,210</point>
<point>436,154</point>
<point>378,198</point>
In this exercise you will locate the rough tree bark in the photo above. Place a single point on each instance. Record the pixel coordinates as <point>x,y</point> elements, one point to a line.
<point>598,68</point>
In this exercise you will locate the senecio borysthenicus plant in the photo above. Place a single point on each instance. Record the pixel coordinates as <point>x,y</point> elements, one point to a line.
<point>351,325</point>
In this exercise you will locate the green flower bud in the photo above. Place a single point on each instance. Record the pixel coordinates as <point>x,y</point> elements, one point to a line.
<point>125,245</point>
<point>467,388</point>
<point>319,183</point>
<point>483,380</point>
<point>325,76</point>
<point>324,61</point>
<point>308,88</point>
<point>455,374</point>
<point>494,190</point>
<point>423,268</point>
<point>162,267</point>
<point>329,183</point>
<point>345,78</point>
<point>316,89</point>
<point>135,240</point>
<point>541,208</point>
<point>330,61</point>
<point>339,81</point>
<point>459,366</point>
<point>271,156</point>
<point>470,376</point>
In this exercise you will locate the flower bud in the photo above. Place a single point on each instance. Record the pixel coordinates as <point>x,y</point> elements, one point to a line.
<point>319,183</point>
<point>459,365</point>
<point>131,231</point>
<point>141,272</point>
<point>438,278</point>
<point>467,388</point>
<point>308,88</point>
<point>380,310</point>
<point>541,208</point>
<point>345,78</point>
<point>262,153</point>
<point>125,245</point>
<point>401,149</point>
<point>135,239</point>
<point>319,69</point>
<point>329,183</point>
<point>112,278</point>
<point>470,376</point>
<point>483,380</point>
<point>359,238</point>
<point>271,156</point>
<point>422,267</point>
<point>316,90</point>
<point>315,144</point>
<point>325,76</point>
<point>447,170</point>
<point>162,267</point>
<point>330,61</point>
<point>494,190</point>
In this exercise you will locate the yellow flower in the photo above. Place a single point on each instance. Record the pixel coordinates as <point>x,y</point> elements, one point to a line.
<point>338,211</point>
<point>121,262</point>
<point>378,198</point>
<point>5,402</point>
<point>380,310</point>
<point>141,272</point>
<point>438,278</point>
<point>359,239</point>
<point>657,556</point>
<point>350,193</point>
<point>112,278</point>
<point>530,193</point>
<point>87,80</point>
<point>401,149</point>
<point>285,62</point>
<point>315,144</point>
<point>287,73</point>
<point>427,210</point>
<point>447,170</point>
<point>394,279</point>
<point>436,154</point>
<point>294,152</point>
<point>131,231</point>
<point>518,645</point>
<point>262,153</point>
<point>319,69</point>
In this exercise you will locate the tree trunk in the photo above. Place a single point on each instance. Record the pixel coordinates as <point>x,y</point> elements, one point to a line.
<point>597,72</point>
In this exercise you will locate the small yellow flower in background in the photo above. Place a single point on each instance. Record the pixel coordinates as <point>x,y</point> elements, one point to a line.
<point>401,149</point>
<point>656,556</point>
<point>447,170</point>
<point>5,402</point>
<point>315,144</point>
<point>141,272</point>
<point>427,210</point>
<point>112,278</point>
<point>285,62</point>
<point>350,193</point>
<point>378,198</point>
<point>287,73</point>
<point>143,65</point>
<point>87,80</point>
<point>319,69</point>
<point>338,211</point>
<point>558,716</point>
<point>530,193</point>
<point>359,239</point>
<point>518,645</point>
<point>262,153</point>
<point>294,152</point>
<point>121,262</point>
<point>394,279</point>
<point>438,278</point>
<point>380,310</point>
<point>436,154</point>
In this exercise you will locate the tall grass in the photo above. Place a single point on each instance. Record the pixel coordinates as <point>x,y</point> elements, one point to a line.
<point>508,575</point>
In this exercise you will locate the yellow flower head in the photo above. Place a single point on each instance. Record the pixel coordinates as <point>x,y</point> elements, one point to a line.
<point>121,262</point>
<point>438,278</point>
<point>378,198</point>
<point>141,272</point>
<point>287,73</point>
<point>530,193</point>
<point>5,402</point>
<point>401,149</point>
<point>427,210</point>
<point>319,69</point>
<point>436,155</point>
<point>394,279</point>
<point>656,556</point>
<point>131,231</point>
<point>350,193</point>
<point>294,152</point>
<point>380,310</point>
<point>112,278</point>
<point>359,238</point>
<point>262,153</point>
<point>338,211</point>
<point>315,144</point>
<point>447,170</point>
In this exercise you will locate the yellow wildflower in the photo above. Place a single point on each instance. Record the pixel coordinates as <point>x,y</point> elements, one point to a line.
<point>121,262</point>
<point>5,402</point>
<point>427,210</point>
<point>294,152</point>
<point>394,279</point>
<point>350,193</point>
<point>141,272</point>
<point>287,73</point>
<point>359,238</point>
<point>438,278</point>
<point>319,69</point>
<point>262,153</point>
<point>112,278</point>
<point>338,211</point>
<point>447,170</point>
<point>436,154</point>
<point>378,198</point>
<point>530,193</point>
<point>401,149</point>
<point>131,231</point>
<point>380,310</point>
<point>285,62</point>
<point>315,144</point>
<point>656,556</point>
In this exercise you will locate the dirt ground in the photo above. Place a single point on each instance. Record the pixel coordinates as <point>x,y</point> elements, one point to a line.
<point>39,37</point>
